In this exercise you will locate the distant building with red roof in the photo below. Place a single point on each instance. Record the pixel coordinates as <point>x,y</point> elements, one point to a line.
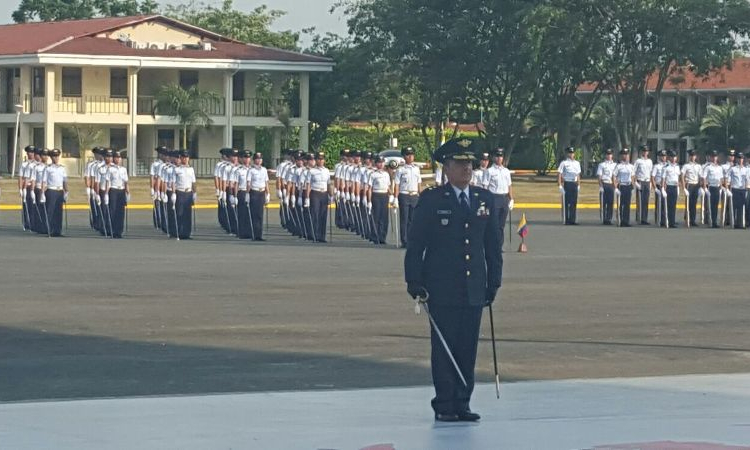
<point>105,72</point>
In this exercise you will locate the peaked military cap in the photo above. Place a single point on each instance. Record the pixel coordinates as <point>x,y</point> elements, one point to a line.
<point>407,151</point>
<point>662,152</point>
<point>55,152</point>
<point>671,153</point>
<point>625,151</point>
<point>29,149</point>
<point>570,150</point>
<point>183,152</point>
<point>44,152</point>
<point>692,152</point>
<point>485,157</point>
<point>740,155</point>
<point>309,157</point>
<point>463,149</point>
<point>731,152</point>
<point>379,159</point>
<point>109,153</point>
<point>245,154</point>
<point>713,153</point>
<point>160,150</point>
<point>321,155</point>
<point>608,151</point>
<point>356,153</point>
<point>258,155</point>
<point>498,152</point>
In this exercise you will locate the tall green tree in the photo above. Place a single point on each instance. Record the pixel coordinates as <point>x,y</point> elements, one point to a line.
<point>253,27</point>
<point>51,10</point>
<point>191,107</point>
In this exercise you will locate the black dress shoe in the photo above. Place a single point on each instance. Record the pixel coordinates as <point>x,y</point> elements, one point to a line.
<point>468,416</point>
<point>645,223</point>
<point>446,417</point>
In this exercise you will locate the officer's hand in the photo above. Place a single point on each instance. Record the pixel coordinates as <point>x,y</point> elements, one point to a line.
<point>293,201</point>
<point>268,198</point>
<point>153,193</point>
<point>65,197</point>
<point>578,188</point>
<point>369,207</point>
<point>98,199</point>
<point>218,194</point>
<point>416,290</point>
<point>511,204</point>
<point>32,194</point>
<point>701,192</point>
<point>687,193</point>
<point>23,194</point>
<point>638,185</point>
<point>164,197</point>
<point>391,198</point>
<point>601,190</point>
<point>106,199</point>
<point>617,192</point>
<point>173,198</point>
<point>195,197</point>
<point>490,295</point>
<point>664,192</point>
<point>299,201</point>
<point>43,198</point>
<point>395,203</point>
<point>562,189</point>
<point>729,193</point>
<point>127,197</point>
<point>247,198</point>
<point>307,203</point>
<point>364,202</point>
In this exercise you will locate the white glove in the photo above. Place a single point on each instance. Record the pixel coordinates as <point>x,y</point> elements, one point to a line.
<point>89,192</point>
<point>299,201</point>
<point>65,197</point>
<point>233,200</point>
<point>164,197</point>
<point>601,190</point>
<point>173,199</point>
<point>218,194</point>
<point>687,193</point>
<point>348,197</point>
<point>664,192</point>
<point>511,204</point>
<point>638,185</point>
<point>331,199</point>
<point>395,203</point>
<point>195,197</point>
<point>579,188</point>
<point>43,198</point>
<point>369,207</point>
<point>307,203</point>
<point>562,189</point>
<point>153,193</point>
<point>338,194</point>
<point>98,199</point>
<point>247,198</point>
<point>127,197</point>
<point>293,201</point>
<point>106,199</point>
<point>729,193</point>
<point>33,196</point>
<point>23,194</point>
<point>617,192</point>
<point>391,198</point>
<point>701,192</point>
<point>268,198</point>
<point>224,196</point>
<point>364,201</point>
<point>285,200</point>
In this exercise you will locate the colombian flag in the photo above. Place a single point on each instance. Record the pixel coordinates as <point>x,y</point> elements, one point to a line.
<point>523,229</point>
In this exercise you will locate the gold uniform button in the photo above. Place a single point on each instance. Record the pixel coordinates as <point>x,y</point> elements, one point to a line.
<point>468,272</point>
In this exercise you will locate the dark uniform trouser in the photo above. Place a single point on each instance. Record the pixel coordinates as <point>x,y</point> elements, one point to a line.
<point>308,230</point>
<point>184,208</point>
<point>672,194</point>
<point>171,216</point>
<point>222,215</point>
<point>41,213</point>
<point>713,201</point>
<point>117,209</point>
<point>460,328</point>
<point>608,201</point>
<point>571,201</point>
<point>406,205</point>
<point>693,202</point>
<point>243,216</point>
<point>659,206</point>
<point>232,210</point>
<point>738,201</point>
<point>501,206</point>
<point>54,211</point>
<point>626,196</point>
<point>30,211</point>
<point>644,192</point>
<point>747,208</point>
<point>319,211</point>
<point>379,220</point>
<point>257,201</point>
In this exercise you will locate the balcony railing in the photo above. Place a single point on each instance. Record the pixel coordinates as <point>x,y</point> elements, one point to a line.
<point>671,125</point>
<point>147,105</point>
<point>92,104</point>
<point>37,104</point>
<point>258,107</point>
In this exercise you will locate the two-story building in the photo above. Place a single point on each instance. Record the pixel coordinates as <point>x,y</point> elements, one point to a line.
<point>686,97</point>
<point>95,81</point>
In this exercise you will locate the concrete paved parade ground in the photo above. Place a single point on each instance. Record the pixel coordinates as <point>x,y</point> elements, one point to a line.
<point>83,317</point>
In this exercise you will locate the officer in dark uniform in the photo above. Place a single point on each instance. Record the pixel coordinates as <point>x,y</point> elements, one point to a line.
<point>454,258</point>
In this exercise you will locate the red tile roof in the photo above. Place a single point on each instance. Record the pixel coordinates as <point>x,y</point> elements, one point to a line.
<point>736,77</point>
<point>77,37</point>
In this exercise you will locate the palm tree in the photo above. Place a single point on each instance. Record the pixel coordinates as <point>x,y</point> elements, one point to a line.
<point>191,107</point>
<point>722,117</point>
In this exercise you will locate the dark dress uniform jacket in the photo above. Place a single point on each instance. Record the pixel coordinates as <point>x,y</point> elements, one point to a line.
<point>455,254</point>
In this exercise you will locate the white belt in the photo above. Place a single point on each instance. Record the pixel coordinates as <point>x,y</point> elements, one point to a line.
<point>118,188</point>
<point>258,190</point>
<point>319,190</point>
<point>411,193</point>
<point>50,188</point>
<point>184,190</point>
<point>380,192</point>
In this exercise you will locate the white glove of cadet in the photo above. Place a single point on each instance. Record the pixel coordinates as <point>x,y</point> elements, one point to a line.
<point>348,197</point>
<point>292,201</point>
<point>98,199</point>
<point>338,194</point>
<point>617,192</point>
<point>562,189</point>
<point>686,192</point>
<point>701,192</point>
<point>395,203</point>
<point>369,207</point>
<point>33,196</point>
<point>195,197</point>
<point>664,192</point>
<point>247,198</point>
<point>233,200</point>
<point>364,201</point>
<point>729,193</point>
<point>153,193</point>
<point>579,188</point>
<point>23,194</point>
<point>127,197</point>
<point>299,201</point>
<point>106,199</point>
<point>391,198</point>
<point>43,198</point>
<point>638,185</point>
<point>331,199</point>
<point>601,190</point>
<point>511,204</point>
<point>164,197</point>
<point>173,199</point>
<point>65,196</point>
<point>218,194</point>
<point>307,203</point>
<point>268,198</point>
<point>89,192</point>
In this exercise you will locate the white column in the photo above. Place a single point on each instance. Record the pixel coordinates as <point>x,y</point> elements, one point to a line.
<point>49,106</point>
<point>229,106</point>
<point>304,102</point>
<point>133,128</point>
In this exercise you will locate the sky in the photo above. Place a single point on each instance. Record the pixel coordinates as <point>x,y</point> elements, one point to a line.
<point>300,13</point>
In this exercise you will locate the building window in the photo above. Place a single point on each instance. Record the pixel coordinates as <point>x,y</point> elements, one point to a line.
<point>37,82</point>
<point>38,138</point>
<point>118,138</point>
<point>670,108</point>
<point>188,78</point>
<point>71,82</point>
<point>165,138</point>
<point>118,82</point>
<point>683,108</point>
<point>238,86</point>
<point>238,139</point>
<point>70,145</point>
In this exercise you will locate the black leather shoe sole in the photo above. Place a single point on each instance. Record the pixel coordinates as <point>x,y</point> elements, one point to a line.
<point>446,417</point>
<point>468,416</point>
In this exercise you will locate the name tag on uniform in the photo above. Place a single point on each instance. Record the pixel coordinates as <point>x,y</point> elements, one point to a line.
<point>444,212</point>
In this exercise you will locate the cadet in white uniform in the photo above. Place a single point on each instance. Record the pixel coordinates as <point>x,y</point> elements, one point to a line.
<point>184,195</point>
<point>320,192</point>
<point>569,183</point>
<point>478,174</point>
<point>671,187</point>
<point>605,173</point>
<point>712,181</point>
<point>643,168</point>
<point>624,176</point>
<point>25,188</point>
<point>118,192</point>
<point>220,191</point>
<point>55,187</point>
<point>690,176</point>
<point>241,191</point>
<point>660,212</point>
<point>154,185</point>
<point>408,186</point>
<point>737,181</point>
<point>379,196</point>
<point>39,170</point>
<point>497,180</point>
<point>726,192</point>
<point>259,194</point>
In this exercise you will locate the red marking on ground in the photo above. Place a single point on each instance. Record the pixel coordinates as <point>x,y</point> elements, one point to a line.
<point>380,447</point>
<point>670,445</point>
